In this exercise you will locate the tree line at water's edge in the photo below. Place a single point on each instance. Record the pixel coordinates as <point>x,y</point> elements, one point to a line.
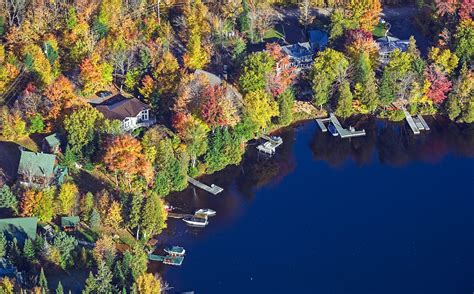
<point>55,56</point>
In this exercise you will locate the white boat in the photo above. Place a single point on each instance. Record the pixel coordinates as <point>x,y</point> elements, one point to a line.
<point>196,221</point>
<point>175,250</point>
<point>205,211</point>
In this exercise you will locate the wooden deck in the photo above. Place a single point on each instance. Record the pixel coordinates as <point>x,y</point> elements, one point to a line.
<point>178,215</point>
<point>213,189</point>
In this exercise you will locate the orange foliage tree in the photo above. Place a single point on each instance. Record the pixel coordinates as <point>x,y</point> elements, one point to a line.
<point>123,156</point>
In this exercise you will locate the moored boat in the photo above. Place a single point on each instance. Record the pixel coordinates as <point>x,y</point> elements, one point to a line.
<point>175,250</point>
<point>195,221</point>
<point>332,129</point>
<point>205,211</point>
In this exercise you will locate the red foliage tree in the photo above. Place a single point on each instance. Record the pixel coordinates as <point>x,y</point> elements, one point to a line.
<point>439,85</point>
<point>211,109</point>
<point>466,10</point>
<point>445,6</point>
<point>284,74</point>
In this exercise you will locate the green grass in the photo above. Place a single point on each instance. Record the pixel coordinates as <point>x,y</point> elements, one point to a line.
<point>379,31</point>
<point>272,33</point>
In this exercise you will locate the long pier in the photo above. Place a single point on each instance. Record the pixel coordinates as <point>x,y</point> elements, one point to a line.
<point>213,189</point>
<point>341,131</point>
<point>417,123</point>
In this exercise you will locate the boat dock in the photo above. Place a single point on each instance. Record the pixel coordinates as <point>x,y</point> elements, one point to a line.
<point>416,123</point>
<point>213,189</point>
<point>342,132</point>
<point>271,145</point>
<point>168,259</point>
<point>178,215</point>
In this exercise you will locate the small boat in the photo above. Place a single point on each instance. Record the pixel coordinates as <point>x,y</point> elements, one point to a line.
<point>196,221</point>
<point>332,129</point>
<point>175,250</point>
<point>205,211</point>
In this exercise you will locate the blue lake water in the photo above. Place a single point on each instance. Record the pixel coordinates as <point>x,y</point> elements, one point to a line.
<point>386,213</point>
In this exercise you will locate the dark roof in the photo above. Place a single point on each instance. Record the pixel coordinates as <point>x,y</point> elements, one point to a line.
<point>389,44</point>
<point>37,164</point>
<point>298,50</point>
<point>19,227</point>
<point>119,107</point>
<point>318,37</point>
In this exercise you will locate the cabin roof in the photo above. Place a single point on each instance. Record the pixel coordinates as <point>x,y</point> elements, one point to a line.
<point>53,140</point>
<point>120,107</point>
<point>19,227</point>
<point>69,221</point>
<point>37,164</point>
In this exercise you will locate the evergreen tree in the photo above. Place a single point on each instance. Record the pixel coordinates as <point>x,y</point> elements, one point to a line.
<point>8,199</point>
<point>42,281</point>
<point>94,219</point>
<point>3,245</point>
<point>344,100</point>
<point>29,251</point>
<point>103,280</point>
<point>387,89</point>
<point>59,289</point>
<point>244,20</point>
<point>90,285</point>
<point>14,252</point>
<point>285,104</point>
<point>136,205</point>
<point>366,87</point>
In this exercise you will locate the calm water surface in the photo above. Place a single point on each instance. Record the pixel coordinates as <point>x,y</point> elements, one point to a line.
<point>386,213</point>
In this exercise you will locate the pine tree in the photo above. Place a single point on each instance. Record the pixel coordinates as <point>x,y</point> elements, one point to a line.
<point>3,245</point>
<point>103,279</point>
<point>94,219</point>
<point>365,81</point>
<point>90,285</point>
<point>43,282</point>
<point>59,289</point>
<point>8,199</point>
<point>344,100</point>
<point>29,251</point>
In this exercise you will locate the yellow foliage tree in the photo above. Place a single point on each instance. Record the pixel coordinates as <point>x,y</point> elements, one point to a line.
<point>148,284</point>
<point>445,60</point>
<point>260,107</point>
<point>67,198</point>
<point>113,219</point>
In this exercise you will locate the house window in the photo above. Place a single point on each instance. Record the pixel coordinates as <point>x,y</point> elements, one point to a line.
<point>144,115</point>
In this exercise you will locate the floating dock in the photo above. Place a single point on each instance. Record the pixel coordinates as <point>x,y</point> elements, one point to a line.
<point>342,132</point>
<point>271,145</point>
<point>213,189</point>
<point>416,123</point>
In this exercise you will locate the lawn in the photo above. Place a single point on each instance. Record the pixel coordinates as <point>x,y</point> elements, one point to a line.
<point>272,33</point>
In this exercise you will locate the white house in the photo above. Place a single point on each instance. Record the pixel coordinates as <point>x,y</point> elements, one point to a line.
<point>130,111</point>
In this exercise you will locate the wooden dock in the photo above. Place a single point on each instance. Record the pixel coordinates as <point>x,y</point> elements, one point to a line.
<point>178,215</point>
<point>342,132</point>
<point>417,123</point>
<point>213,189</point>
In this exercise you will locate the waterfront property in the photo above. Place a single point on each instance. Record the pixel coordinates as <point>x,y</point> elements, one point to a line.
<point>37,169</point>
<point>300,55</point>
<point>131,112</point>
<point>336,129</point>
<point>174,256</point>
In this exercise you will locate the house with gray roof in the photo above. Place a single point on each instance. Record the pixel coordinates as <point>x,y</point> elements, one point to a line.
<point>37,169</point>
<point>388,44</point>
<point>132,113</point>
<point>301,55</point>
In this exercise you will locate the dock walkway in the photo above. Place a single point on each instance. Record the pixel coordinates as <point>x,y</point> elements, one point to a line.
<point>213,189</point>
<point>179,215</point>
<point>342,132</point>
<point>417,123</point>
